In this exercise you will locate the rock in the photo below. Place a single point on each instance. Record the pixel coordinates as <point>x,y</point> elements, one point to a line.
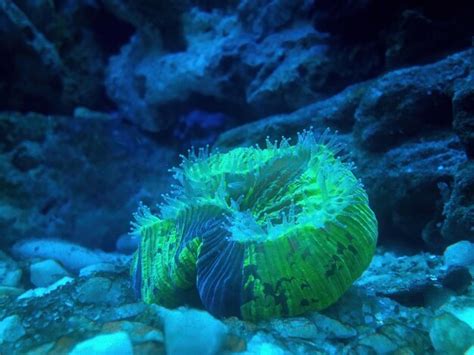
<point>414,175</point>
<point>384,322</point>
<point>112,154</point>
<point>418,36</point>
<point>423,273</point>
<point>265,17</point>
<point>463,112</point>
<point>199,128</point>
<point>462,308</point>
<point>413,33</point>
<point>145,338</point>
<point>126,244</point>
<point>292,78</point>
<point>235,343</point>
<point>300,68</point>
<point>115,343</point>
<point>10,272</point>
<point>42,291</point>
<point>450,335</point>
<point>46,272</point>
<point>84,113</point>
<point>42,349</point>
<point>344,18</point>
<point>458,279</point>
<point>360,320</point>
<point>406,338</point>
<point>331,328</point>
<point>379,343</point>
<point>459,208</point>
<point>11,329</point>
<point>336,112</point>
<point>124,311</point>
<point>106,291</point>
<point>7,291</point>
<point>56,47</point>
<point>58,317</point>
<point>98,290</point>
<point>406,102</point>
<point>73,257</point>
<point>100,268</point>
<point>161,21</point>
<point>17,128</point>
<point>459,254</point>
<point>296,327</point>
<point>35,39</point>
<point>189,331</point>
<point>138,332</point>
<point>227,68</point>
<point>264,344</point>
<point>27,156</point>
<point>158,80</point>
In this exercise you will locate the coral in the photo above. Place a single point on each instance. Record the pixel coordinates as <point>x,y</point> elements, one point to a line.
<point>257,233</point>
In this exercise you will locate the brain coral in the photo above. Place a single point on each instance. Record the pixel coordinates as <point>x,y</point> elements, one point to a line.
<point>257,233</point>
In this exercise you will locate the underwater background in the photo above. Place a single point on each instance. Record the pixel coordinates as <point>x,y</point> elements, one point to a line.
<point>100,98</point>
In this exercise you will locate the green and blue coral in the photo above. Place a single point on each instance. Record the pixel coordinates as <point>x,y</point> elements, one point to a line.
<point>257,232</point>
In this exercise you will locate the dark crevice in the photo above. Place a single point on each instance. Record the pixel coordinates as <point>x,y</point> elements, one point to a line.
<point>111,32</point>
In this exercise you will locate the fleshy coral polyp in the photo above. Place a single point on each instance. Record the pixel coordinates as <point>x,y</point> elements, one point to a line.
<point>257,233</point>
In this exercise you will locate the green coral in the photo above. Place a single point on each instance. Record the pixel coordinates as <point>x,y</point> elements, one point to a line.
<point>257,233</point>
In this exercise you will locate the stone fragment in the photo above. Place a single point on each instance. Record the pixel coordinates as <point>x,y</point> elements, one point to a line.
<point>452,330</point>
<point>190,331</point>
<point>98,268</point>
<point>95,290</point>
<point>11,329</point>
<point>10,272</point>
<point>115,343</point>
<point>46,272</point>
<point>332,328</point>
<point>380,343</point>
<point>262,343</point>
<point>459,254</point>
<point>450,335</point>
<point>138,332</point>
<point>8,291</point>
<point>124,311</point>
<point>42,291</point>
<point>423,273</point>
<point>295,327</point>
<point>73,256</point>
